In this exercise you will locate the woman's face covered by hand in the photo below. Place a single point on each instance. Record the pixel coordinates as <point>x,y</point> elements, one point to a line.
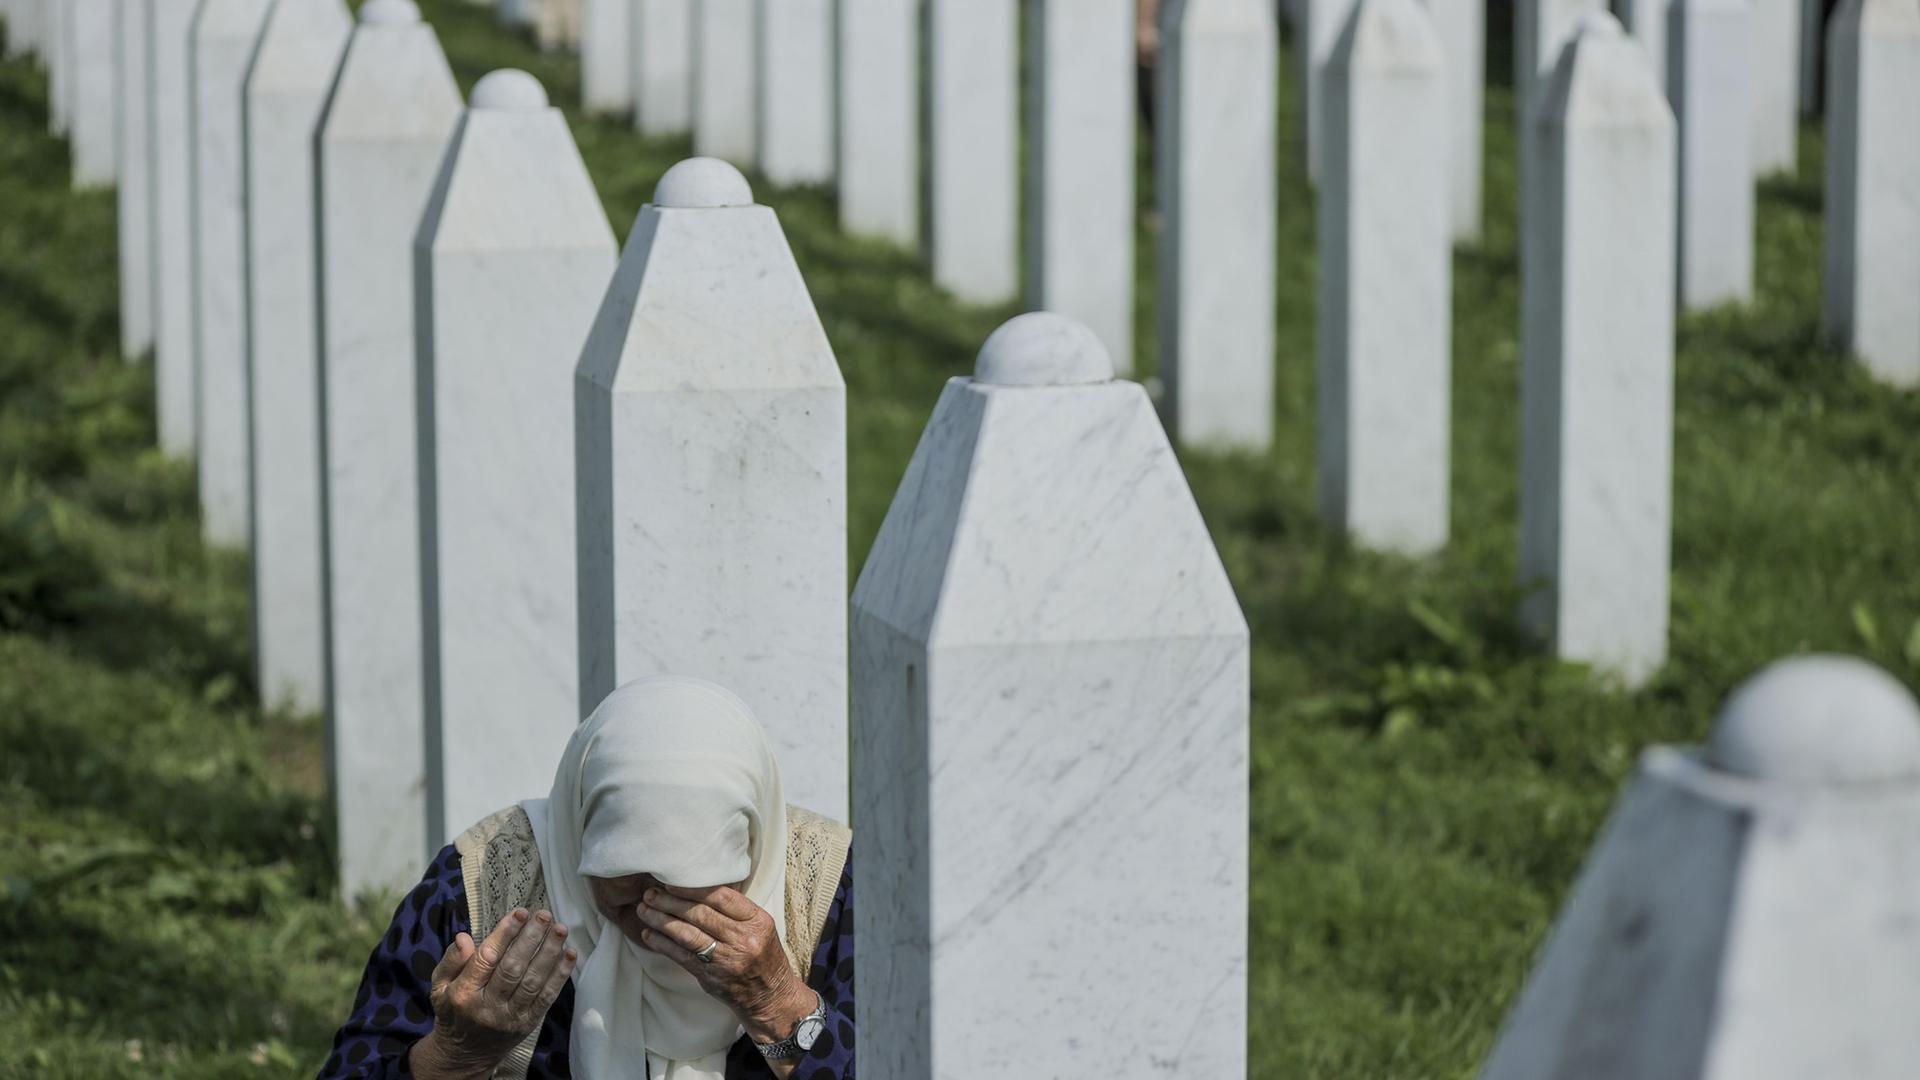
<point>618,900</point>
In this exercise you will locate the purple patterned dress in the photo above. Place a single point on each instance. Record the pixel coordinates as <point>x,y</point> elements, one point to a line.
<point>393,1010</point>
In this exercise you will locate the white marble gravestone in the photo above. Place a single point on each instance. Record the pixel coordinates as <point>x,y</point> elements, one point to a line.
<point>170,178</point>
<point>1324,22</point>
<point>606,55</point>
<point>973,182</point>
<point>1596,380</point>
<point>1082,116</point>
<point>1463,39</point>
<point>1386,282</point>
<point>1752,909</point>
<point>726,78</point>
<point>1043,607</point>
<point>662,53</point>
<point>712,476</point>
<point>381,141</point>
<point>286,90</point>
<point>57,58</point>
<point>1215,142</point>
<point>223,39</point>
<point>1540,30</point>
<point>796,91</point>
<point>22,21</point>
<point>879,118</point>
<point>1646,20</point>
<point>1776,85</point>
<point>511,261</point>
<point>93,103</point>
<point>134,197</point>
<point>1710,81</point>
<point>1870,300</point>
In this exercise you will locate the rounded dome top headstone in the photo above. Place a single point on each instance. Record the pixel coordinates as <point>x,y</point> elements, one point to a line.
<point>702,183</point>
<point>390,13</point>
<point>1043,349</point>
<point>1830,720</point>
<point>509,90</point>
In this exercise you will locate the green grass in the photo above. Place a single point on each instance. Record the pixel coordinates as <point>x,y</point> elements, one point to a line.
<point>1425,785</point>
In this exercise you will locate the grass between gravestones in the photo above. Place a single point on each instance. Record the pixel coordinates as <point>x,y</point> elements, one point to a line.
<point>1425,785</point>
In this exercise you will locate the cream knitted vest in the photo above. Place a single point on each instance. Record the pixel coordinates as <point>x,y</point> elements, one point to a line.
<point>501,868</point>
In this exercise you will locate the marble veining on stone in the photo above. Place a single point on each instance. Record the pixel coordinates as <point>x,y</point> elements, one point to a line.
<point>511,260</point>
<point>711,434</point>
<point>1050,708</point>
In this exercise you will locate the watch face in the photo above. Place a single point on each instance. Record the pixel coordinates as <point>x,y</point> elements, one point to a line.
<point>809,1032</point>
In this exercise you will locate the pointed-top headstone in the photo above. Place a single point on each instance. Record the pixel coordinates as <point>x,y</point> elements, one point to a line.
<point>1751,912</point>
<point>1042,633</point>
<point>1872,269</point>
<point>286,90</point>
<point>393,108</point>
<point>706,350</point>
<point>511,260</point>
<point>223,39</point>
<point>1214,155</point>
<point>1386,281</point>
<point>1596,376</point>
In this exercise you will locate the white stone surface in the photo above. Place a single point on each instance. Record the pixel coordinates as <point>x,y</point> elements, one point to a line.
<point>1710,81</point>
<point>393,109</point>
<point>1776,85</point>
<point>1081,120</point>
<point>606,55</point>
<point>973,182</point>
<point>134,197</point>
<point>712,464</point>
<point>662,51</point>
<point>93,102</point>
<point>1386,282</point>
<point>57,58</point>
<point>1323,21</point>
<point>1215,158</point>
<point>1463,38</point>
<point>286,90</point>
<point>878,162</point>
<point>726,80</point>
<point>1646,20</point>
<point>1870,299</point>
<point>1734,926</point>
<point>224,35</point>
<point>1813,42</point>
<point>513,257</point>
<point>22,24</point>
<point>169,177</point>
<point>796,88</point>
<point>1596,381</point>
<point>1050,703</point>
<point>879,116</point>
<point>1540,30</point>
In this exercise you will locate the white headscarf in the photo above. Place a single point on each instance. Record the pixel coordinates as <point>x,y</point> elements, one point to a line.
<point>671,777</point>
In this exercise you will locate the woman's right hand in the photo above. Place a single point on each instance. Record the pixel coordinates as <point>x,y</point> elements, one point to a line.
<point>487,999</point>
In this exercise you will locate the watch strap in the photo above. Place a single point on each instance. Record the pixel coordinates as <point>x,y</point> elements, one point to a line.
<point>790,1047</point>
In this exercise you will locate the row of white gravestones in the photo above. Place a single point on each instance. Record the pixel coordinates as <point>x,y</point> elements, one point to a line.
<point>1597,363</point>
<point>1752,909</point>
<point>1043,605</point>
<point>1872,264</point>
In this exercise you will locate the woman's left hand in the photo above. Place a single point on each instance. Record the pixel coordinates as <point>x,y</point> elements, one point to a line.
<point>747,970</point>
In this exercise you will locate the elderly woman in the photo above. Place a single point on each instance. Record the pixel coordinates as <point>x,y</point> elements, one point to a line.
<point>650,918</point>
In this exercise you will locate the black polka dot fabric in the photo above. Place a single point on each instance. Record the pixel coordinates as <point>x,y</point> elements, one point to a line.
<point>394,1008</point>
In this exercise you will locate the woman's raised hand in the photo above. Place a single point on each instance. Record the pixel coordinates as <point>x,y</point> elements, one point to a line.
<point>747,969</point>
<point>486,999</point>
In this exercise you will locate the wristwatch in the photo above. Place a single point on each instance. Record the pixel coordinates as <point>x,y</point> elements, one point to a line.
<point>805,1034</point>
